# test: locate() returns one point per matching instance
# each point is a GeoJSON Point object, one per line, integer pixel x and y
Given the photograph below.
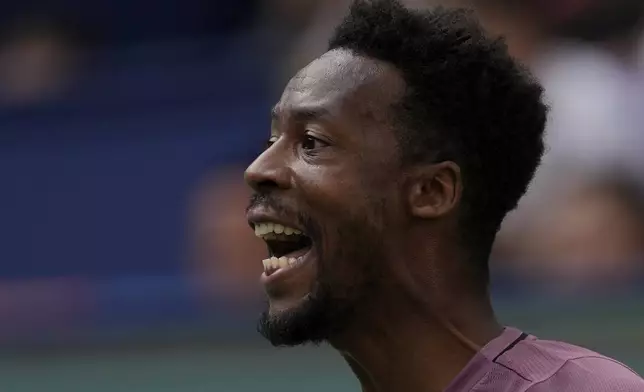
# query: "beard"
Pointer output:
{"type": "Point", "coordinates": [313, 321]}
{"type": "Point", "coordinates": [347, 279]}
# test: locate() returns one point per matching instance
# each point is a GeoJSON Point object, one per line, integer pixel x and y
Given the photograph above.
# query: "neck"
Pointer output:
{"type": "Point", "coordinates": [399, 348]}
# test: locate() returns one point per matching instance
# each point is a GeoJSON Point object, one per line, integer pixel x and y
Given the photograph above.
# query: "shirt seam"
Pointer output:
{"type": "Point", "coordinates": [512, 345]}
{"type": "Point", "coordinates": [554, 373]}
{"type": "Point", "coordinates": [506, 350]}
{"type": "Point", "coordinates": [514, 371]}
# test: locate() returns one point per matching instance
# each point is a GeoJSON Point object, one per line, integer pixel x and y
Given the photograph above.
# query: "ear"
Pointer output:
{"type": "Point", "coordinates": [435, 190]}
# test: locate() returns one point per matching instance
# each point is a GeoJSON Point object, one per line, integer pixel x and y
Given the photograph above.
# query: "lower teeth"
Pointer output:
{"type": "Point", "coordinates": [281, 262]}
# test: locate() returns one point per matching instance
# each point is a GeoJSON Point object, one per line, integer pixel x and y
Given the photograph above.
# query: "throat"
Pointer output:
{"type": "Point", "coordinates": [399, 350]}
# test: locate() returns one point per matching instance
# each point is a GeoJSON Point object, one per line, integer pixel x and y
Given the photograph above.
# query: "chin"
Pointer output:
{"type": "Point", "coordinates": [279, 307]}
{"type": "Point", "coordinates": [309, 320]}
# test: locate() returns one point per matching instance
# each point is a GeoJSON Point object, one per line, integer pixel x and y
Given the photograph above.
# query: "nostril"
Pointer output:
{"type": "Point", "coordinates": [259, 181]}
{"type": "Point", "coordinates": [267, 182]}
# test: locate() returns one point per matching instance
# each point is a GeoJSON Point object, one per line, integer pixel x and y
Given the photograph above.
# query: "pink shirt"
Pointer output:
{"type": "Point", "coordinates": [517, 362]}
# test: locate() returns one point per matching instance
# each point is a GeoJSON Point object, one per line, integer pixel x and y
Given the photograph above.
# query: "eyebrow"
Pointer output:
{"type": "Point", "coordinates": [302, 113]}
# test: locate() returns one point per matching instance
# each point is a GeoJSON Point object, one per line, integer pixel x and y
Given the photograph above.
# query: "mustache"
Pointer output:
{"type": "Point", "coordinates": [265, 200]}
{"type": "Point", "coordinates": [269, 201]}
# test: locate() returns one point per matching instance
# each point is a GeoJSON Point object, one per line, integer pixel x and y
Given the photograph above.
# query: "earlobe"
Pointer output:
{"type": "Point", "coordinates": [435, 190]}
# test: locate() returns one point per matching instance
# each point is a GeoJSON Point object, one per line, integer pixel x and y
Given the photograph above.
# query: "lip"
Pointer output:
{"type": "Point", "coordinates": [263, 215]}
{"type": "Point", "coordinates": [277, 282]}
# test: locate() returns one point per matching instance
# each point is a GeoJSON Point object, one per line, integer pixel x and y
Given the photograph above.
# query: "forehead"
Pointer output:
{"type": "Point", "coordinates": [344, 86]}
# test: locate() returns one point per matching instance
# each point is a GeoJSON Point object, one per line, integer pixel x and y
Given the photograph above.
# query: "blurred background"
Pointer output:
{"type": "Point", "coordinates": [125, 260]}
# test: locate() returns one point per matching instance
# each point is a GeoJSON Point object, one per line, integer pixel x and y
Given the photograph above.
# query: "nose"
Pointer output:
{"type": "Point", "coordinates": [269, 171]}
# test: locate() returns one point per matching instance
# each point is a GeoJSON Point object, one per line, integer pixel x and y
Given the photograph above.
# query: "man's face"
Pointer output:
{"type": "Point", "coordinates": [326, 196]}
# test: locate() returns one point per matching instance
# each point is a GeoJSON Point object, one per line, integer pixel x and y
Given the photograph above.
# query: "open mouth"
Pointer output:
{"type": "Point", "coordinates": [287, 246]}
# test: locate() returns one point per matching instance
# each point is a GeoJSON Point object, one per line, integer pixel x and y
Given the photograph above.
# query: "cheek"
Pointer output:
{"type": "Point", "coordinates": [346, 200]}
{"type": "Point", "coordinates": [329, 192]}
{"type": "Point", "coordinates": [344, 188]}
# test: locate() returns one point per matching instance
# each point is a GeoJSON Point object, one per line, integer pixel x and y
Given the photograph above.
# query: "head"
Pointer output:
{"type": "Point", "coordinates": [413, 133]}
{"type": "Point", "coordinates": [37, 60]}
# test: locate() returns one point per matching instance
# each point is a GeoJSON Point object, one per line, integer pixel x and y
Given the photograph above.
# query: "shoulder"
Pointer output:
{"type": "Point", "coordinates": [563, 367]}
{"type": "Point", "coordinates": [590, 373]}
{"type": "Point", "coordinates": [528, 364]}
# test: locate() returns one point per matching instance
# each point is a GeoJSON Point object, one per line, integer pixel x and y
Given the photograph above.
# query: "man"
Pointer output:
{"type": "Point", "coordinates": [391, 163]}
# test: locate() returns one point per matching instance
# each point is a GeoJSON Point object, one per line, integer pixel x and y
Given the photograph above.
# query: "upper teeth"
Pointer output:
{"type": "Point", "coordinates": [261, 229]}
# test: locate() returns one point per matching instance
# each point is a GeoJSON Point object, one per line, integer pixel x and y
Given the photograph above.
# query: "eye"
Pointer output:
{"type": "Point", "coordinates": [312, 143]}
{"type": "Point", "coordinates": [271, 141]}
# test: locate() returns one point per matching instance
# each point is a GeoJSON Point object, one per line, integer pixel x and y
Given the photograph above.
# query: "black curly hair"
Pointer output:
{"type": "Point", "coordinates": [467, 100]}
